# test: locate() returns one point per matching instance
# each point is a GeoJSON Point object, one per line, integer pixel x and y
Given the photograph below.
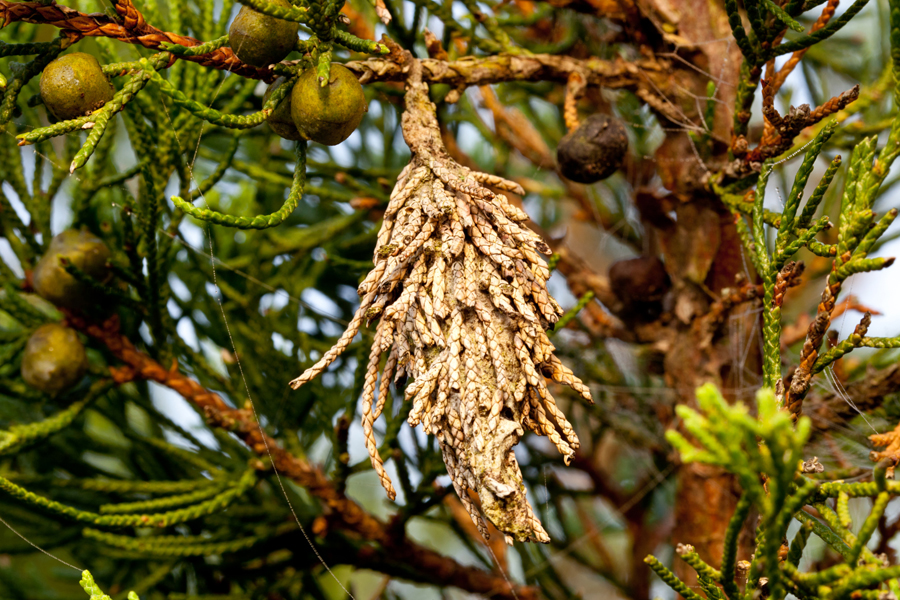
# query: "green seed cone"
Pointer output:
{"type": "Point", "coordinates": [80, 248]}
{"type": "Point", "coordinates": [329, 114]}
{"type": "Point", "coordinates": [280, 120]}
{"type": "Point", "coordinates": [54, 359]}
{"type": "Point", "coordinates": [261, 40]}
{"type": "Point", "coordinates": [74, 85]}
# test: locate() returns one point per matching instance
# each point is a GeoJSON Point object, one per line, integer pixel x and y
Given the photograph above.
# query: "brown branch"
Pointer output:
{"type": "Point", "coordinates": [800, 381]}
{"type": "Point", "coordinates": [438, 569]}
{"type": "Point", "coordinates": [130, 28]}
{"type": "Point", "coordinates": [488, 70]}
{"type": "Point", "coordinates": [646, 77]}
{"type": "Point", "coordinates": [644, 74]}
{"type": "Point", "coordinates": [783, 130]}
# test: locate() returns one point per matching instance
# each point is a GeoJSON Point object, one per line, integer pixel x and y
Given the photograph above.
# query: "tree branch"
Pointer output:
{"type": "Point", "coordinates": [647, 76]}
{"type": "Point", "coordinates": [488, 70]}
{"type": "Point", "coordinates": [131, 28]}
{"type": "Point", "coordinates": [433, 567]}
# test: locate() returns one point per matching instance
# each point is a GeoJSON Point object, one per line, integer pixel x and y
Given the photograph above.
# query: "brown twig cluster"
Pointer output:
{"type": "Point", "coordinates": [344, 512]}
{"type": "Point", "coordinates": [459, 291]}
{"type": "Point", "coordinates": [800, 380]}
{"type": "Point", "coordinates": [772, 83]}
{"type": "Point", "coordinates": [779, 132]}
{"type": "Point", "coordinates": [783, 129]}
{"type": "Point", "coordinates": [788, 277]}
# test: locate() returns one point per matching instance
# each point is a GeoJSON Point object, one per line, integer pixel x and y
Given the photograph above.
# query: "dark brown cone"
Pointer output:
{"type": "Point", "coordinates": [594, 150]}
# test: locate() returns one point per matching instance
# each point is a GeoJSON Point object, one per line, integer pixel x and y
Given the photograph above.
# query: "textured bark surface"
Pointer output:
{"type": "Point", "coordinates": [706, 496]}
{"type": "Point", "coordinates": [703, 255]}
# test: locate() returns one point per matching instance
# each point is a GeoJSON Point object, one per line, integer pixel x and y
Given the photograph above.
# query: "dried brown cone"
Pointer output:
{"type": "Point", "coordinates": [459, 292]}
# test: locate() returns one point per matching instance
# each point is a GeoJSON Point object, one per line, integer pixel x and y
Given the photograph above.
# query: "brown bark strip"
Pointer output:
{"type": "Point", "coordinates": [487, 70]}
{"type": "Point", "coordinates": [441, 570]}
{"type": "Point", "coordinates": [132, 28]}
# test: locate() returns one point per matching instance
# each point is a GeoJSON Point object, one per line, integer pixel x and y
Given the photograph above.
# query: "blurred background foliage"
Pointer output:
{"type": "Point", "coordinates": [194, 293]}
